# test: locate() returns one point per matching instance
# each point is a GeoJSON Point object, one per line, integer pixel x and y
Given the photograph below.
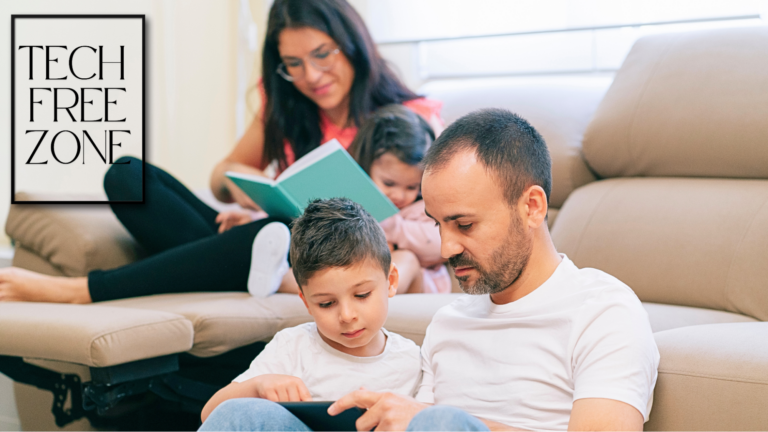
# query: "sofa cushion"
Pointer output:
{"type": "Point", "coordinates": [26, 259]}
{"type": "Point", "coordinates": [73, 238]}
{"type": "Point", "coordinates": [712, 377]}
{"type": "Point", "coordinates": [690, 242]}
{"type": "Point", "coordinates": [558, 107]}
{"type": "Point", "coordinates": [686, 104]}
{"type": "Point", "coordinates": [226, 320]}
{"type": "Point", "coordinates": [410, 314]}
{"type": "Point", "coordinates": [91, 335]}
{"type": "Point", "coordinates": [667, 317]}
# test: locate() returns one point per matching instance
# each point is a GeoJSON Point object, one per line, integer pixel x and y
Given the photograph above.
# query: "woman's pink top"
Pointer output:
{"type": "Point", "coordinates": [411, 229]}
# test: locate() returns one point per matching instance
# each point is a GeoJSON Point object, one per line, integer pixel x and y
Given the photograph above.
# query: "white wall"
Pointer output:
{"type": "Point", "coordinates": [191, 78]}
{"type": "Point", "coordinates": [550, 36]}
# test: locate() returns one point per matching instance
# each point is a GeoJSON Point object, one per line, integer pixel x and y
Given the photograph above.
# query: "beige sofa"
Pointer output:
{"type": "Point", "coordinates": [662, 181]}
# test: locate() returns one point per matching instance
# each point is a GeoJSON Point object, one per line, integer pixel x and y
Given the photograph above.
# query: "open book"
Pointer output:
{"type": "Point", "coordinates": [326, 172]}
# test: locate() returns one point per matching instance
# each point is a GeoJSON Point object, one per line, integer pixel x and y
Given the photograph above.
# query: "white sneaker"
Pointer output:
{"type": "Point", "coordinates": [269, 259]}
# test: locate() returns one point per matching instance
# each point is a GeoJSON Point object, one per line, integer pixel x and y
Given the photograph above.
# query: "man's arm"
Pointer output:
{"type": "Point", "coordinates": [595, 414]}
{"type": "Point", "coordinates": [390, 412]}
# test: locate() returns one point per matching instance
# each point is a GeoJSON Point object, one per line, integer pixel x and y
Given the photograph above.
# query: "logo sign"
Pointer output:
{"type": "Point", "coordinates": [77, 107]}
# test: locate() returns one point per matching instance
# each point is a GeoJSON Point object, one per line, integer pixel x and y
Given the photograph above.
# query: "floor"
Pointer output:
{"type": "Point", "coordinates": [9, 421]}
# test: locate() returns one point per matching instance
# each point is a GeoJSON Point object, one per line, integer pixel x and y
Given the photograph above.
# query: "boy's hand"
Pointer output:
{"type": "Point", "coordinates": [281, 388]}
{"type": "Point", "coordinates": [232, 218]}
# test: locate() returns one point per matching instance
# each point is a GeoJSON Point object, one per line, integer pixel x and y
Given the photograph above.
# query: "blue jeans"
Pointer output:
{"type": "Point", "coordinates": [252, 414]}
{"type": "Point", "coordinates": [445, 418]}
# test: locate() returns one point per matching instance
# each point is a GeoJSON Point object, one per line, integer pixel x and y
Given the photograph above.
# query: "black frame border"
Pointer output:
{"type": "Point", "coordinates": [143, 103]}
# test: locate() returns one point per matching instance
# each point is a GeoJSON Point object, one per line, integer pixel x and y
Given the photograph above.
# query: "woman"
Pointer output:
{"type": "Point", "coordinates": [322, 76]}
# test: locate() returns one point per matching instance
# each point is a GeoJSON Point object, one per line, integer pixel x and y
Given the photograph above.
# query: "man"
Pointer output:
{"type": "Point", "coordinates": [540, 344]}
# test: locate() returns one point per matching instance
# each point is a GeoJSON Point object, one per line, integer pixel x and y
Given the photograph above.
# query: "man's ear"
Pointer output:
{"type": "Point", "coordinates": [534, 201]}
{"type": "Point", "coordinates": [394, 279]}
{"type": "Point", "coordinates": [301, 295]}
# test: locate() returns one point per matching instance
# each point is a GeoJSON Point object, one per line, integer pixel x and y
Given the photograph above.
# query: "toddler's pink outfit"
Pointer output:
{"type": "Point", "coordinates": [413, 230]}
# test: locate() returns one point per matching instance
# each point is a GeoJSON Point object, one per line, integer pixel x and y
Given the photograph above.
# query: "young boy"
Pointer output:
{"type": "Point", "coordinates": [342, 263]}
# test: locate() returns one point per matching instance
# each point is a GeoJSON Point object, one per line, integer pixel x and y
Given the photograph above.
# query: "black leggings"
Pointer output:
{"type": "Point", "coordinates": [178, 230]}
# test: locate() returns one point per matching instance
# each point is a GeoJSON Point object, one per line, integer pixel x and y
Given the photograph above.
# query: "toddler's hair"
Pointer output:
{"type": "Point", "coordinates": [392, 129]}
{"type": "Point", "coordinates": [336, 232]}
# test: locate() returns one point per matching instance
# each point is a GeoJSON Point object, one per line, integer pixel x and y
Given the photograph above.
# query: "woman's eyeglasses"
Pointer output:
{"type": "Point", "coordinates": [294, 69]}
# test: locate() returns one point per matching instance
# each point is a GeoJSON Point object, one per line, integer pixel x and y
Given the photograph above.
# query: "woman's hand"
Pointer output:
{"type": "Point", "coordinates": [233, 218]}
{"type": "Point", "coordinates": [240, 197]}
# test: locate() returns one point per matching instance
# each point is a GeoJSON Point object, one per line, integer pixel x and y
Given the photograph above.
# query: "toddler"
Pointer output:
{"type": "Point", "coordinates": [390, 147]}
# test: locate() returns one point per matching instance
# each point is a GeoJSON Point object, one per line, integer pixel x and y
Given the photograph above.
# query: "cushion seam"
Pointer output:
{"type": "Point", "coordinates": [717, 377]}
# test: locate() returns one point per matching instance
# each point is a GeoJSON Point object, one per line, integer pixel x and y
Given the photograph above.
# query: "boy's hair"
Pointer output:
{"type": "Point", "coordinates": [336, 232]}
{"type": "Point", "coordinates": [392, 129]}
{"type": "Point", "coordinates": [504, 143]}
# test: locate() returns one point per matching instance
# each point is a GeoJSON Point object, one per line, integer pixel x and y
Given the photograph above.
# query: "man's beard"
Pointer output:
{"type": "Point", "coordinates": [507, 263]}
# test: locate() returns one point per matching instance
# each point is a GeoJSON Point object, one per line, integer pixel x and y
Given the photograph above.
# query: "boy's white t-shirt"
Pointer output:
{"type": "Point", "coordinates": [581, 334]}
{"type": "Point", "coordinates": [330, 374]}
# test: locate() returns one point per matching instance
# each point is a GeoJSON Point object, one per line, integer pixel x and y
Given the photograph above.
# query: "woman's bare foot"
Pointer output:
{"type": "Point", "coordinates": [17, 284]}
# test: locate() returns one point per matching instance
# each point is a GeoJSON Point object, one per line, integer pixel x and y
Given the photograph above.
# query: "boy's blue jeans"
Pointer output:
{"type": "Point", "coordinates": [251, 414]}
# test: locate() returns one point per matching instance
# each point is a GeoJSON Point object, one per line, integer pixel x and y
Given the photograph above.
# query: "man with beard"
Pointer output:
{"type": "Point", "coordinates": [539, 344]}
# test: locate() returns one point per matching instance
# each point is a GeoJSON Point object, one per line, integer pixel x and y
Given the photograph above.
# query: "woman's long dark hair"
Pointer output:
{"type": "Point", "coordinates": [392, 129]}
{"type": "Point", "coordinates": [291, 116]}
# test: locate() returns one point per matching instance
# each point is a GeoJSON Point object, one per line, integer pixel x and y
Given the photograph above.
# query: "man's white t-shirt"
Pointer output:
{"type": "Point", "coordinates": [581, 334]}
{"type": "Point", "coordinates": [329, 373]}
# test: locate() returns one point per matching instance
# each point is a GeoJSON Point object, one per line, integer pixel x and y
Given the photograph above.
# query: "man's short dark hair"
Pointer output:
{"type": "Point", "coordinates": [504, 142]}
{"type": "Point", "coordinates": [336, 232]}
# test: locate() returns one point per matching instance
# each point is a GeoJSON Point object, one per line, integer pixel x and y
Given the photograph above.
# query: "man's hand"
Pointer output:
{"type": "Point", "coordinates": [232, 218]}
{"type": "Point", "coordinates": [386, 411]}
{"type": "Point", "coordinates": [281, 388]}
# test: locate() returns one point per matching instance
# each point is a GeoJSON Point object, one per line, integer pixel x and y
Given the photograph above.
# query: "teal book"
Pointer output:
{"type": "Point", "coordinates": [326, 172]}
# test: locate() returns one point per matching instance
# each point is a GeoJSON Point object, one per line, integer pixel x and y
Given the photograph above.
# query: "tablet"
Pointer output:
{"type": "Point", "coordinates": [315, 416]}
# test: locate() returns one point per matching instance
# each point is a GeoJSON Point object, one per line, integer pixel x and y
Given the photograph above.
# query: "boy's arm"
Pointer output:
{"type": "Point", "coordinates": [232, 391]}
{"type": "Point", "coordinates": [274, 387]}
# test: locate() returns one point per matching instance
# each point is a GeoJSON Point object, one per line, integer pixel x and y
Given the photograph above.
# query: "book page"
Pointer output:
{"type": "Point", "coordinates": [310, 158]}
{"type": "Point", "coordinates": [250, 177]}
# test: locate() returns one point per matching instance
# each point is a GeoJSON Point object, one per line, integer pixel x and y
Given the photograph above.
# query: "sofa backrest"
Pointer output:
{"type": "Point", "coordinates": [559, 107]}
{"type": "Point", "coordinates": [681, 138]}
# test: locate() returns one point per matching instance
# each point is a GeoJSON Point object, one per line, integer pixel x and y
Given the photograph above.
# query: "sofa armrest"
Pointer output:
{"type": "Point", "coordinates": [90, 335]}
{"type": "Point", "coordinates": [712, 377]}
{"type": "Point", "coordinates": [73, 238]}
